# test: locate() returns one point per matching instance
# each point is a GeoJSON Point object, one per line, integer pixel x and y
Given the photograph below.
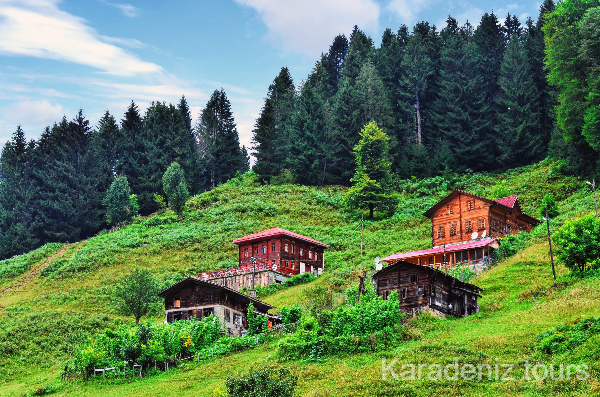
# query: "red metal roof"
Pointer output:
{"type": "Point", "coordinates": [438, 250]}
{"type": "Point", "coordinates": [507, 201]}
{"type": "Point", "coordinates": [276, 232]}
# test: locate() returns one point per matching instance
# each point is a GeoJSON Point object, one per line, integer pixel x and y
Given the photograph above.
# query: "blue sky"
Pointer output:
{"type": "Point", "coordinates": [59, 56]}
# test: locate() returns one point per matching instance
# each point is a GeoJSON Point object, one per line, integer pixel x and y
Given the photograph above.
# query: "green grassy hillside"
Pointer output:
{"type": "Point", "coordinates": [56, 296]}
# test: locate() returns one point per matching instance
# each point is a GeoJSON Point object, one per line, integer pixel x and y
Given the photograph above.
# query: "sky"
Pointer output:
{"type": "Point", "coordinates": [57, 57]}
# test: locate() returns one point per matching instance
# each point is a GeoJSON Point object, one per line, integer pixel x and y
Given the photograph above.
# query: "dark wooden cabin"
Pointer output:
{"type": "Point", "coordinates": [193, 297]}
{"type": "Point", "coordinates": [424, 287]}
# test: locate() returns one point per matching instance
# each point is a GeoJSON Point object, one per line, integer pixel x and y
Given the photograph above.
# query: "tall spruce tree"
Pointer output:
{"type": "Point", "coordinates": [131, 149]}
{"type": "Point", "coordinates": [334, 63]}
{"type": "Point", "coordinates": [355, 105]}
{"type": "Point", "coordinates": [219, 144]}
{"type": "Point", "coordinates": [516, 103]}
{"type": "Point", "coordinates": [17, 191]}
{"type": "Point", "coordinates": [271, 135]}
{"type": "Point", "coordinates": [313, 152]}
{"type": "Point", "coordinates": [458, 112]}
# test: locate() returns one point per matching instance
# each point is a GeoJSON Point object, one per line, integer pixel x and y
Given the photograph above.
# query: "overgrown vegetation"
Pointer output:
{"type": "Point", "coordinates": [568, 336]}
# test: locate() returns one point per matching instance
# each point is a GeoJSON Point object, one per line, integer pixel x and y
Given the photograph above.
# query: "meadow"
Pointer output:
{"type": "Point", "coordinates": [54, 298]}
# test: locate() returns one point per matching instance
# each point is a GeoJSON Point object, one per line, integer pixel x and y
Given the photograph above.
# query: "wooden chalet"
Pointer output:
{"type": "Point", "coordinates": [427, 288]}
{"type": "Point", "coordinates": [271, 256]}
{"type": "Point", "coordinates": [193, 297]}
{"type": "Point", "coordinates": [465, 229]}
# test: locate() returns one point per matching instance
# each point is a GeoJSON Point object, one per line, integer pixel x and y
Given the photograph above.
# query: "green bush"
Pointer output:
{"type": "Point", "coordinates": [578, 243]}
{"type": "Point", "coordinates": [567, 337]}
{"type": "Point", "coordinates": [372, 325]}
{"type": "Point", "coordinates": [263, 382]}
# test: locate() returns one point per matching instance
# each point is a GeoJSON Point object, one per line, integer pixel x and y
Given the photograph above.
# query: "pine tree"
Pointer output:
{"type": "Point", "coordinates": [359, 50]}
{"type": "Point", "coordinates": [516, 102]}
{"type": "Point", "coordinates": [17, 191]}
{"type": "Point", "coordinates": [355, 105]}
{"type": "Point", "coordinates": [271, 135]}
{"type": "Point", "coordinates": [334, 63]}
{"type": "Point", "coordinates": [220, 154]}
{"type": "Point", "coordinates": [458, 112]}
{"type": "Point", "coordinates": [372, 181]}
{"type": "Point", "coordinates": [313, 153]}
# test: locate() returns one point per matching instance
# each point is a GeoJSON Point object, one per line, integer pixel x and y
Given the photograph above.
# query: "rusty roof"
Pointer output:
{"type": "Point", "coordinates": [276, 232]}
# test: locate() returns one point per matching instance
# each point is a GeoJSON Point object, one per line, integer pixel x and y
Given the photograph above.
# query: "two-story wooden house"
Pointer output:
{"type": "Point", "coordinates": [271, 256]}
{"type": "Point", "coordinates": [465, 229]}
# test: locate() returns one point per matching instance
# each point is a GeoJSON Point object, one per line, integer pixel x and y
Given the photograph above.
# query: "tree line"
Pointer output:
{"type": "Point", "coordinates": [55, 188]}
{"type": "Point", "coordinates": [454, 100]}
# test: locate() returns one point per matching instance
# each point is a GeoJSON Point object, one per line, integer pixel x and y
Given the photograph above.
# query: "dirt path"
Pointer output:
{"type": "Point", "coordinates": [34, 271]}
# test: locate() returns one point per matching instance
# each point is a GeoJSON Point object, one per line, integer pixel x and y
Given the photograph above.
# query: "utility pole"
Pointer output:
{"type": "Point", "coordinates": [550, 244]}
{"type": "Point", "coordinates": [593, 185]}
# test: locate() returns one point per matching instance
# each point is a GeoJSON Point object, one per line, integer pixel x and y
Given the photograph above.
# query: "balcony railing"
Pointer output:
{"type": "Point", "coordinates": [245, 269]}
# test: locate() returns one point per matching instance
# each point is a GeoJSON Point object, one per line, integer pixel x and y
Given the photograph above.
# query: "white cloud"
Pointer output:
{"type": "Point", "coordinates": [471, 14]}
{"type": "Point", "coordinates": [38, 28]}
{"type": "Point", "coordinates": [34, 113]}
{"type": "Point", "coordinates": [127, 9]}
{"type": "Point", "coordinates": [407, 10]}
{"type": "Point", "coordinates": [309, 26]}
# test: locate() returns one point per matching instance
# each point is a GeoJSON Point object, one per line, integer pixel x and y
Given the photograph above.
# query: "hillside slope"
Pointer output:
{"type": "Point", "coordinates": [55, 297]}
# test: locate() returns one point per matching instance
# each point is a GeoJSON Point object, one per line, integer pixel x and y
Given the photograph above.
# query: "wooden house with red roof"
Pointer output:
{"type": "Point", "coordinates": [465, 228]}
{"type": "Point", "coordinates": [271, 256]}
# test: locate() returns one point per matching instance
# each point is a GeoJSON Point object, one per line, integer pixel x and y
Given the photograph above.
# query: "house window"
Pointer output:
{"type": "Point", "coordinates": [177, 302]}
{"type": "Point", "coordinates": [441, 231]}
{"type": "Point", "coordinates": [468, 226]}
{"type": "Point", "coordinates": [227, 315]}
{"type": "Point", "coordinates": [470, 205]}
{"type": "Point", "coordinates": [237, 318]}
{"type": "Point", "coordinates": [286, 247]}
{"type": "Point", "coordinates": [301, 251]}
{"type": "Point", "coordinates": [508, 228]}
{"type": "Point", "coordinates": [293, 265]}
{"type": "Point", "coordinates": [453, 229]}
{"type": "Point", "coordinates": [287, 264]}
{"type": "Point", "coordinates": [420, 291]}
{"type": "Point", "coordinates": [309, 254]}
{"type": "Point", "coordinates": [245, 252]}
{"type": "Point", "coordinates": [402, 293]}
{"type": "Point", "coordinates": [272, 247]}
{"type": "Point", "coordinates": [431, 260]}
{"type": "Point", "coordinates": [480, 224]}
{"type": "Point", "coordinates": [293, 248]}
{"type": "Point", "coordinates": [449, 210]}
{"type": "Point", "coordinates": [413, 278]}
{"type": "Point", "coordinates": [208, 298]}
{"type": "Point", "coordinates": [256, 250]}
{"type": "Point", "coordinates": [264, 249]}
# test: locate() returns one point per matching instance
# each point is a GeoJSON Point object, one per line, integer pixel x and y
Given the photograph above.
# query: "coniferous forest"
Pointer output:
{"type": "Point", "coordinates": [460, 99]}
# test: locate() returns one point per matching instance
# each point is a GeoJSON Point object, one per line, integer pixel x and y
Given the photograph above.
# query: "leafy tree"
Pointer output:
{"type": "Point", "coordinates": [578, 243]}
{"type": "Point", "coordinates": [255, 323]}
{"type": "Point", "coordinates": [118, 202]}
{"type": "Point", "coordinates": [262, 382]}
{"type": "Point", "coordinates": [219, 144]}
{"type": "Point", "coordinates": [175, 188]}
{"type": "Point", "coordinates": [372, 187]}
{"type": "Point", "coordinates": [549, 204]}
{"type": "Point", "coordinates": [135, 293]}
{"type": "Point", "coordinates": [291, 315]}
{"type": "Point", "coordinates": [570, 32]}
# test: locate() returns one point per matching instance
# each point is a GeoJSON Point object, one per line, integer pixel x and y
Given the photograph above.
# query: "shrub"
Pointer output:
{"type": "Point", "coordinates": [578, 243]}
{"type": "Point", "coordinates": [263, 382]}
{"type": "Point", "coordinates": [567, 337]}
